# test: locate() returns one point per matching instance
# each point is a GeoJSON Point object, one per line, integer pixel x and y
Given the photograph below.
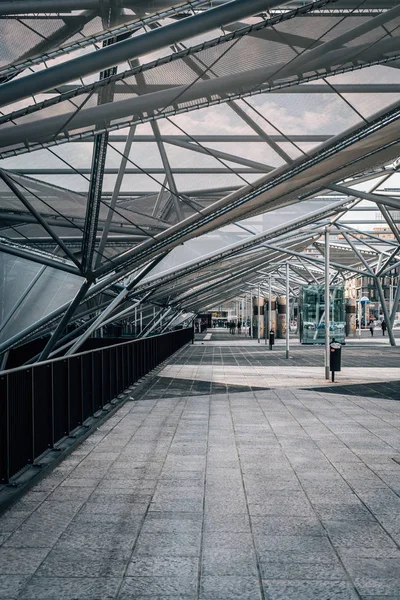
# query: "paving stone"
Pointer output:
{"type": "Point", "coordinates": [288, 570]}
{"type": "Point", "coordinates": [224, 539]}
{"type": "Point", "coordinates": [309, 590]}
{"type": "Point", "coordinates": [61, 588]}
{"type": "Point", "coordinates": [63, 562]}
{"type": "Point", "coordinates": [99, 539]}
{"type": "Point", "coordinates": [217, 522]}
{"type": "Point", "coordinates": [229, 588]}
{"type": "Point", "coordinates": [356, 533]}
{"type": "Point", "coordinates": [21, 561]}
{"type": "Point", "coordinates": [229, 561]}
{"type": "Point", "coordinates": [186, 544]}
{"type": "Point", "coordinates": [281, 526]}
{"type": "Point", "coordinates": [11, 585]}
{"type": "Point", "coordinates": [292, 543]}
{"type": "Point", "coordinates": [170, 565]}
{"type": "Point", "coordinates": [369, 586]}
{"type": "Point", "coordinates": [374, 568]}
{"type": "Point", "coordinates": [172, 522]}
{"type": "Point", "coordinates": [150, 587]}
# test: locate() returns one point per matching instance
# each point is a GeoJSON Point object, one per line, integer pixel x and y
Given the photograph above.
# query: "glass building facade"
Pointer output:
{"type": "Point", "coordinates": [312, 314]}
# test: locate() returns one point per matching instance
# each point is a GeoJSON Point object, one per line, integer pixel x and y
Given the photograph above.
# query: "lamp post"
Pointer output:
{"type": "Point", "coordinates": [258, 314]}
{"type": "Point", "coordinates": [327, 301]}
{"type": "Point", "coordinates": [287, 311]}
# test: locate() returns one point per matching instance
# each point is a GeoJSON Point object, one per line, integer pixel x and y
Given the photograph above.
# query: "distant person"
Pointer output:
{"type": "Point", "coordinates": [371, 327]}
{"type": "Point", "coordinates": [239, 327]}
{"type": "Point", "coordinates": [383, 327]}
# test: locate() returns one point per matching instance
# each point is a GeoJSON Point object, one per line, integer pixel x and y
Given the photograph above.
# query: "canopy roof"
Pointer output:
{"type": "Point", "coordinates": [189, 151]}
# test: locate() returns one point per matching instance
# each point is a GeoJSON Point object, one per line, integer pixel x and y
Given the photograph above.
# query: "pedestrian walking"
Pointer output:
{"type": "Point", "coordinates": [371, 327]}
{"type": "Point", "coordinates": [383, 327]}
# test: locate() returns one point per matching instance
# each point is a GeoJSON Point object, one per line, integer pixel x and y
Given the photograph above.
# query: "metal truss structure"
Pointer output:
{"type": "Point", "coordinates": [158, 159]}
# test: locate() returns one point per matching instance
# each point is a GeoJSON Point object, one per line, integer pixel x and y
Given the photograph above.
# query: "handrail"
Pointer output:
{"type": "Point", "coordinates": [44, 403]}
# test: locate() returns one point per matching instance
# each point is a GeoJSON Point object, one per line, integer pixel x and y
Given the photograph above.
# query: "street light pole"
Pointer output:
{"type": "Point", "coordinates": [270, 308]}
{"type": "Point", "coordinates": [287, 311]}
{"type": "Point", "coordinates": [327, 299]}
{"type": "Point", "coordinates": [258, 314]}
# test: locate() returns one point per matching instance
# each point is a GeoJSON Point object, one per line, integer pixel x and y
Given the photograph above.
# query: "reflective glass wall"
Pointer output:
{"type": "Point", "coordinates": [312, 314]}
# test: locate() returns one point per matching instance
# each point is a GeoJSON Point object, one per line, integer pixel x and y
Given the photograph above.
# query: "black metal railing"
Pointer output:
{"type": "Point", "coordinates": [43, 403]}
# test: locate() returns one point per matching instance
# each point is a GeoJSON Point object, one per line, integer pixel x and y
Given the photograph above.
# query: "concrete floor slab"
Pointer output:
{"type": "Point", "coordinates": [231, 476]}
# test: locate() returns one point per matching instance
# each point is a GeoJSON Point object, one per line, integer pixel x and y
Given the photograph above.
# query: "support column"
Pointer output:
{"type": "Point", "coordinates": [385, 312]}
{"type": "Point", "coordinates": [395, 302]}
{"type": "Point", "coordinates": [269, 307]}
{"type": "Point", "coordinates": [252, 316]}
{"type": "Point", "coordinates": [287, 311]}
{"type": "Point", "coordinates": [327, 304]}
{"type": "Point", "coordinates": [350, 315]}
{"type": "Point", "coordinates": [265, 321]}
{"type": "Point", "coordinates": [391, 295]}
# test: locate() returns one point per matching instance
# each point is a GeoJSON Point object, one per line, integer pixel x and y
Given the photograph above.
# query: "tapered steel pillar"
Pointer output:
{"type": "Point", "coordinates": [396, 301]}
{"type": "Point", "coordinates": [385, 312]}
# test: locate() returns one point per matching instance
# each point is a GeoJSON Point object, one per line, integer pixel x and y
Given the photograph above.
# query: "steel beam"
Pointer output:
{"type": "Point", "coordinates": [396, 301]}
{"type": "Point", "coordinates": [121, 296]}
{"type": "Point", "coordinates": [99, 155]}
{"type": "Point", "coordinates": [13, 187]}
{"type": "Point", "coordinates": [150, 170]}
{"type": "Point", "coordinates": [162, 314]}
{"type": "Point", "coordinates": [122, 29]}
{"type": "Point", "coordinates": [18, 7]}
{"type": "Point", "coordinates": [37, 256]}
{"type": "Point", "coordinates": [21, 299]}
{"type": "Point", "coordinates": [228, 87]}
{"type": "Point", "coordinates": [316, 88]}
{"type": "Point", "coordinates": [223, 138]}
{"type": "Point", "coordinates": [65, 320]}
{"type": "Point", "coordinates": [307, 58]}
{"type": "Point", "coordinates": [240, 160]}
{"type": "Point", "coordinates": [390, 221]}
{"type": "Point", "coordinates": [385, 311]}
{"type": "Point", "coordinates": [377, 198]}
{"type": "Point", "coordinates": [168, 172]}
{"type": "Point", "coordinates": [115, 195]}
{"type": "Point", "coordinates": [129, 49]}
{"type": "Point", "coordinates": [358, 254]}
{"type": "Point", "coordinates": [77, 223]}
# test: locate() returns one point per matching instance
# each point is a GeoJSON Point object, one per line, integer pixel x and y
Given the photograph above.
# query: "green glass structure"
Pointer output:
{"type": "Point", "coordinates": [312, 314]}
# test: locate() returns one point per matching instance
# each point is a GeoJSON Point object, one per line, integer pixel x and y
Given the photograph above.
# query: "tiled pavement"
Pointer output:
{"type": "Point", "coordinates": [271, 494]}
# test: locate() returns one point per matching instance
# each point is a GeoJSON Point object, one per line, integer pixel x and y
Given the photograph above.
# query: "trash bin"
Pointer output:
{"type": "Point", "coordinates": [335, 356]}
{"type": "Point", "coordinates": [271, 339]}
